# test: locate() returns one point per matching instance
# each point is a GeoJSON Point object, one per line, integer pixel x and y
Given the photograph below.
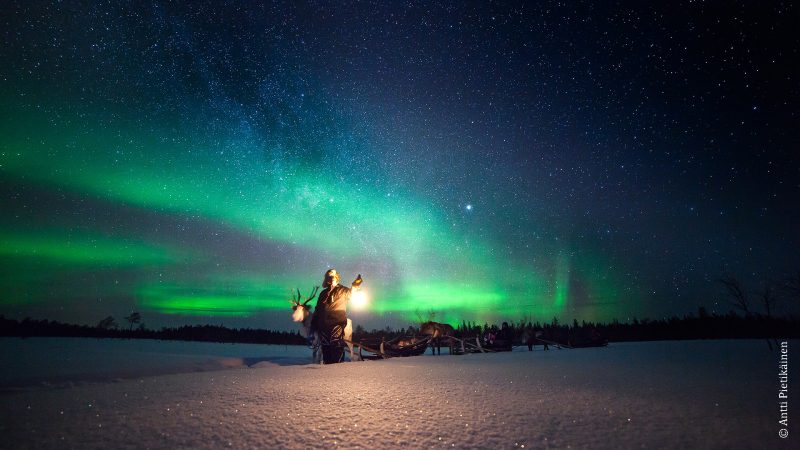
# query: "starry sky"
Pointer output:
{"type": "Point", "coordinates": [479, 161]}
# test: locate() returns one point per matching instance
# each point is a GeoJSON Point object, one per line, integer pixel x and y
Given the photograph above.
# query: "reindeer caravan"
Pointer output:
{"type": "Point", "coordinates": [328, 345]}
{"type": "Point", "coordinates": [329, 331]}
{"type": "Point", "coordinates": [359, 351]}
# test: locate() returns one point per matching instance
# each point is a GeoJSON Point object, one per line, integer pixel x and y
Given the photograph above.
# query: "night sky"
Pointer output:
{"type": "Point", "coordinates": [480, 161]}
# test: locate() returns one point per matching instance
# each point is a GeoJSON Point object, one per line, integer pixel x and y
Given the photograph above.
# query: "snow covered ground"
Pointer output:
{"type": "Point", "coordinates": [58, 362]}
{"type": "Point", "coordinates": [695, 394]}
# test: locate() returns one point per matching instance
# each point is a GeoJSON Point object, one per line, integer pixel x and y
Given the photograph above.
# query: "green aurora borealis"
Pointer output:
{"type": "Point", "coordinates": [415, 258]}
{"type": "Point", "coordinates": [196, 162]}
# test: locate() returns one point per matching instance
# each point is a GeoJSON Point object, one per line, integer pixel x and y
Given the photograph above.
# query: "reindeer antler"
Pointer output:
{"type": "Point", "coordinates": [299, 300]}
{"type": "Point", "coordinates": [313, 294]}
{"type": "Point", "coordinates": [293, 300]}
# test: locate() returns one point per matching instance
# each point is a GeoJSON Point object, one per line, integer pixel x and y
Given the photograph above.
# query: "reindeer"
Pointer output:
{"type": "Point", "coordinates": [532, 338]}
{"type": "Point", "coordinates": [302, 314]}
{"type": "Point", "coordinates": [437, 331]}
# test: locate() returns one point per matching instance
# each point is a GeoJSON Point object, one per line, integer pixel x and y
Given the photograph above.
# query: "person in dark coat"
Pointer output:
{"type": "Point", "coordinates": [330, 315]}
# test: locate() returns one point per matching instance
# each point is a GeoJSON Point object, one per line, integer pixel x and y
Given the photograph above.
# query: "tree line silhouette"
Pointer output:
{"type": "Point", "coordinates": [107, 328]}
{"type": "Point", "coordinates": [700, 326]}
{"type": "Point", "coordinates": [749, 324]}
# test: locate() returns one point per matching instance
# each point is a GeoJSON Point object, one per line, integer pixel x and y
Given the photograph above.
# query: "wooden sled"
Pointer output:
{"type": "Point", "coordinates": [553, 343]}
{"type": "Point", "coordinates": [584, 344]}
{"type": "Point", "coordinates": [396, 348]}
{"type": "Point", "coordinates": [470, 345]}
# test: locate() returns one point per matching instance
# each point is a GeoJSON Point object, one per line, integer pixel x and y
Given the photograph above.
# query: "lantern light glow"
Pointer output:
{"type": "Point", "coordinates": [359, 300]}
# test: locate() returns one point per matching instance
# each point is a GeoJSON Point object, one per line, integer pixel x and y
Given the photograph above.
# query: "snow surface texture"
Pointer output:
{"type": "Point", "coordinates": [692, 394]}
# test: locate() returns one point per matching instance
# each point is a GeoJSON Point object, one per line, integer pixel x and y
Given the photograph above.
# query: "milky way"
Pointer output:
{"type": "Point", "coordinates": [197, 161]}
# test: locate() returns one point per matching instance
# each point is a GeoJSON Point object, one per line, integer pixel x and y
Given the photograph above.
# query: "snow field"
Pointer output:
{"type": "Point", "coordinates": [695, 394]}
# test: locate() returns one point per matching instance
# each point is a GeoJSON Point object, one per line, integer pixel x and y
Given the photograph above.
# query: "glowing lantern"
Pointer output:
{"type": "Point", "coordinates": [359, 299]}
